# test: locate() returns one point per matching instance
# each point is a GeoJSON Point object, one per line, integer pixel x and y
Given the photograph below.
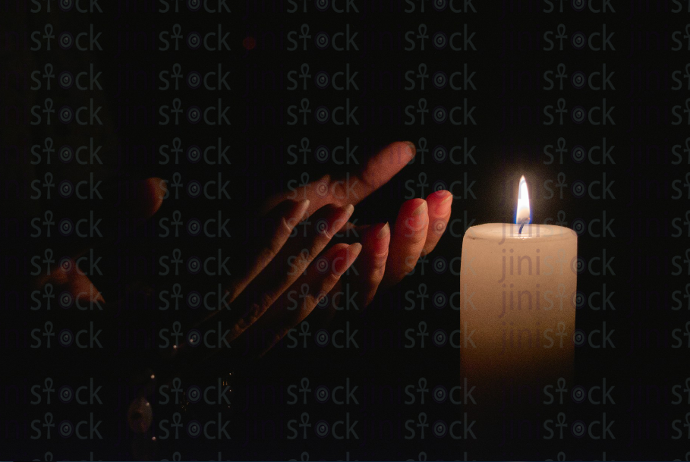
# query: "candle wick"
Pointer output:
{"type": "Point", "coordinates": [521, 226]}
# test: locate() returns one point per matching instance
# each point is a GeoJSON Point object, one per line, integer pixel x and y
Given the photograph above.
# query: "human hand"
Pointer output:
{"type": "Point", "coordinates": [288, 268]}
{"type": "Point", "coordinates": [301, 266]}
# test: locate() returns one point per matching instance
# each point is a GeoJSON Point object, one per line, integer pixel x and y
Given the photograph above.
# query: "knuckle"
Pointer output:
{"type": "Point", "coordinates": [377, 274]}
{"type": "Point", "coordinates": [272, 249]}
{"type": "Point", "coordinates": [310, 253]}
{"type": "Point", "coordinates": [408, 265]}
{"type": "Point", "coordinates": [330, 280]}
{"type": "Point", "coordinates": [379, 263]}
{"type": "Point", "coordinates": [415, 237]}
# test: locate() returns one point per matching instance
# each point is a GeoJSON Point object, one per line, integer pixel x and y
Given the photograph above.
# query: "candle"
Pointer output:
{"type": "Point", "coordinates": [517, 312]}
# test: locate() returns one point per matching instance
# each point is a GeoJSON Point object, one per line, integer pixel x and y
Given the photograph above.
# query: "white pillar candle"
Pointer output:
{"type": "Point", "coordinates": [517, 287]}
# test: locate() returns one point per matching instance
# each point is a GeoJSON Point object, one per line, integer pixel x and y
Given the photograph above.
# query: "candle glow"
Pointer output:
{"type": "Point", "coordinates": [518, 292]}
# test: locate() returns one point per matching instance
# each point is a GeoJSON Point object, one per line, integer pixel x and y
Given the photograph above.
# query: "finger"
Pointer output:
{"type": "Point", "coordinates": [407, 241]}
{"type": "Point", "coordinates": [144, 198]}
{"type": "Point", "coordinates": [290, 262]}
{"type": "Point", "coordinates": [371, 265]}
{"type": "Point", "coordinates": [352, 189]}
{"type": "Point", "coordinates": [358, 290]}
{"type": "Point", "coordinates": [282, 221]}
{"type": "Point", "coordinates": [378, 171]}
{"type": "Point", "coordinates": [439, 213]}
{"type": "Point", "coordinates": [279, 264]}
{"type": "Point", "coordinates": [70, 286]}
{"type": "Point", "coordinates": [302, 297]}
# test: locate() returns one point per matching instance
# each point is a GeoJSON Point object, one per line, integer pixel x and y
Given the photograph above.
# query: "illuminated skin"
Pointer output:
{"type": "Point", "coordinates": [262, 293]}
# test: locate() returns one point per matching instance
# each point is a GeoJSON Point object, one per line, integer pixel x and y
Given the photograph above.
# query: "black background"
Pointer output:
{"type": "Point", "coordinates": [509, 61]}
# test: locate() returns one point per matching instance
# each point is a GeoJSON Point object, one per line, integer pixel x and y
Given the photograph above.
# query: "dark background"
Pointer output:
{"type": "Point", "coordinates": [511, 139]}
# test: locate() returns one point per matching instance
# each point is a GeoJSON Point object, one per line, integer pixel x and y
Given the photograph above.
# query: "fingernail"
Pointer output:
{"type": "Point", "coordinates": [421, 209]}
{"type": "Point", "coordinates": [442, 207]}
{"type": "Point", "coordinates": [302, 206]}
{"type": "Point", "coordinates": [295, 215]}
{"type": "Point", "coordinates": [379, 246]}
{"type": "Point", "coordinates": [345, 258]}
{"type": "Point", "coordinates": [443, 192]}
{"type": "Point", "coordinates": [384, 231]}
{"type": "Point", "coordinates": [413, 149]}
{"type": "Point", "coordinates": [98, 297]}
{"type": "Point", "coordinates": [340, 219]}
{"type": "Point", "coordinates": [353, 252]}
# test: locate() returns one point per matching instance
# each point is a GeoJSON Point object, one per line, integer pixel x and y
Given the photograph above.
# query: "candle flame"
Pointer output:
{"type": "Point", "coordinates": [523, 216]}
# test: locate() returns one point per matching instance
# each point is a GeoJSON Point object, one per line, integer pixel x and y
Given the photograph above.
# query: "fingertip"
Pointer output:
{"type": "Point", "coordinates": [441, 194]}
{"type": "Point", "coordinates": [412, 207]}
{"type": "Point", "coordinates": [440, 202]}
{"type": "Point", "coordinates": [413, 217]}
{"type": "Point", "coordinates": [296, 212]}
{"type": "Point", "coordinates": [338, 247]}
{"type": "Point", "coordinates": [378, 239]}
{"type": "Point", "coordinates": [97, 297]}
{"type": "Point", "coordinates": [392, 159]}
{"type": "Point", "coordinates": [154, 190]}
{"type": "Point", "coordinates": [353, 250]}
{"type": "Point", "coordinates": [420, 209]}
{"type": "Point", "coordinates": [345, 256]}
{"type": "Point", "coordinates": [382, 230]}
{"type": "Point", "coordinates": [411, 146]}
{"type": "Point", "coordinates": [338, 218]}
{"type": "Point", "coordinates": [404, 150]}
